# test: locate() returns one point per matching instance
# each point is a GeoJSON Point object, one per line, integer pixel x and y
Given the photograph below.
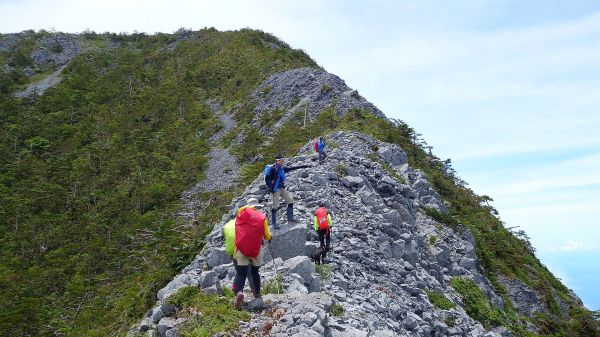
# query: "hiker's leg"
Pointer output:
{"type": "Point", "coordinates": [256, 278]}
{"type": "Point", "coordinates": [251, 280]}
{"type": "Point", "coordinates": [321, 233]}
{"type": "Point", "coordinates": [276, 196]}
{"type": "Point", "coordinates": [254, 266]}
{"type": "Point", "coordinates": [287, 196]}
{"type": "Point", "coordinates": [328, 241]}
{"type": "Point", "coordinates": [240, 278]}
{"type": "Point", "coordinates": [250, 283]}
{"type": "Point", "coordinates": [274, 218]}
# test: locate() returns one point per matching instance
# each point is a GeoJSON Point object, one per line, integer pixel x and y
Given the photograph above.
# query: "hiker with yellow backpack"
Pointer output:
{"type": "Point", "coordinates": [243, 240]}
{"type": "Point", "coordinates": [322, 223]}
{"type": "Point", "coordinates": [229, 233]}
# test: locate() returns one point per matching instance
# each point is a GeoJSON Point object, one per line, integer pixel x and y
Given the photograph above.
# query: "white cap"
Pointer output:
{"type": "Point", "coordinates": [253, 202]}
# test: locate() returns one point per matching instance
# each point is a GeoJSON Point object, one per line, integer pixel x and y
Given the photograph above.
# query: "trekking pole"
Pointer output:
{"type": "Point", "coordinates": [276, 269]}
{"type": "Point", "coordinates": [331, 240]}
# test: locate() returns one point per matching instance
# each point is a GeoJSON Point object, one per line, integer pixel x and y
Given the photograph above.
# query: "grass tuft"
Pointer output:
{"type": "Point", "coordinates": [440, 300]}
{"type": "Point", "coordinates": [216, 313]}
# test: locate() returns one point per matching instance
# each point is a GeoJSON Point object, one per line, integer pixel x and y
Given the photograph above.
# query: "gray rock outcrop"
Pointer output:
{"type": "Point", "coordinates": [307, 90]}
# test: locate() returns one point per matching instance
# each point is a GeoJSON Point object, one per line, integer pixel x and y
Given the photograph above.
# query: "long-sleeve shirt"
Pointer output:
{"type": "Point", "coordinates": [277, 174]}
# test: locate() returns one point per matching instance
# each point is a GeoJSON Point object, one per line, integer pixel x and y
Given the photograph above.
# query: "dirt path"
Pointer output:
{"type": "Point", "coordinates": [39, 87]}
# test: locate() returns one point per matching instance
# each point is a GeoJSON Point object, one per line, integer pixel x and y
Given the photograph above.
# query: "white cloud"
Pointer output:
{"type": "Point", "coordinates": [575, 246]}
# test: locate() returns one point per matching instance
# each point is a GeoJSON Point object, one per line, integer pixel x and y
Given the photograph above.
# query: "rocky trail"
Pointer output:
{"type": "Point", "coordinates": [384, 259]}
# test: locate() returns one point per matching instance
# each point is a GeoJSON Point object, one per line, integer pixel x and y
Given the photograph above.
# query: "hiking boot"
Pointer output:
{"type": "Point", "coordinates": [239, 300]}
{"type": "Point", "coordinates": [290, 213]}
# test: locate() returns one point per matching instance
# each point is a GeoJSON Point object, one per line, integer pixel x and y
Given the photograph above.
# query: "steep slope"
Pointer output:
{"type": "Point", "coordinates": [92, 170]}
{"type": "Point", "coordinates": [113, 177]}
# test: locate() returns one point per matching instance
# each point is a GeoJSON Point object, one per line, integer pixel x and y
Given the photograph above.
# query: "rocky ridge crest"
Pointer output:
{"type": "Point", "coordinates": [308, 91]}
{"type": "Point", "coordinates": [383, 262]}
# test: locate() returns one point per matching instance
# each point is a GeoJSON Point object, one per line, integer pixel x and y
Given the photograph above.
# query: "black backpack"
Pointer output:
{"type": "Point", "coordinates": [270, 171]}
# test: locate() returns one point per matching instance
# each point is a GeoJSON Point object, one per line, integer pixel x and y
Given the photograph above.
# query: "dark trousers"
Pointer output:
{"type": "Point", "coordinates": [249, 276]}
{"type": "Point", "coordinates": [325, 239]}
{"type": "Point", "coordinates": [241, 272]}
{"type": "Point", "coordinates": [322, 155]}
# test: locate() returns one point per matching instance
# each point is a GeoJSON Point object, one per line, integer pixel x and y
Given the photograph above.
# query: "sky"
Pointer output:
{"type": "Point", "coordinates": [509, 90]}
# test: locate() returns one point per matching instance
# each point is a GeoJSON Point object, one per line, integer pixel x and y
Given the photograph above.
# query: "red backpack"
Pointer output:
{"type": "Point", "coordinates": [249, 231]}
{"type": "Point", "coordinates": [321, 214]}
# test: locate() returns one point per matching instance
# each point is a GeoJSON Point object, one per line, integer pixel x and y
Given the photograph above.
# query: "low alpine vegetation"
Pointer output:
{"type": "Point", "coordinates": [207, 314]}
{"type": "Point", "coordinates": [476, 304]}
{"type": "Point", "coordinates": [337, 310]}
{"type": "Point", "coordinates": [440, 300]}
{"type": "Point", "coordinates": [273, 286]}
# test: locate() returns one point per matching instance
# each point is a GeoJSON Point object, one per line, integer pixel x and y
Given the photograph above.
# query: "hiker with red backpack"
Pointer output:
{"type": "Point", "coordinates": [229, 234]}
{"type": "Point", "coordinates": [251, 227]}
{"type": "Point", "coordinates": [275, 176]}
{"type": "Point", "coordinates": [322, 224]}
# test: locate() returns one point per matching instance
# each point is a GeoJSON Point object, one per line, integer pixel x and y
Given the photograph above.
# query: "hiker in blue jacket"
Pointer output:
{"type": "Point", "coordinates": [321, 149]}
{"type": "Point", "coordinates": [275, 180]}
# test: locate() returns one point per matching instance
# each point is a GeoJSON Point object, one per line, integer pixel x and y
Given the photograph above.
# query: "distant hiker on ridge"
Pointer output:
{"type": "Point", "coordinates": [251, 227]}
{"type": "Point", "coordinates": [320, 148]}
{"type": "Point", "coordinates": [275, 180]}
{"type": "Point", "coordinates": [322, 223]}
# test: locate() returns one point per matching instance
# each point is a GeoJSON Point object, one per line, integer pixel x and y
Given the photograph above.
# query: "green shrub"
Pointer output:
{"type": "Point", "coordinates": [267, 89]}
{"type": "Point", "coordinates": [56, 48]}
{"type": "Point", "coordinates": [228, 293]}
{"type": "Point", "coordinates": [438, 216]}
{"type": "Point", "coordinates": [326, 88]}
{"type": "Point", "coordinates": [337, 310]}
{"type": "Point", "coordinates": [324, 271]}
{"type": "Point", "coordinates": [432, 240]}
{"type": "Point", "coordinates": [440, 300]}
{"type": "Point", "coordinates": [341, 170]}
{"type": "Point", "coordinates": [475, 303]}
{"type": "Point", "coordinates": [273, 286]}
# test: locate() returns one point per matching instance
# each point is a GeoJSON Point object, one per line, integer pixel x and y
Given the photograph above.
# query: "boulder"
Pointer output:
{"type": "Point", "coordinates": [302, 266]}
{"type": "Point", "coordinates": [288, 242]}
{"type": "Point", "coordinates": [166, 324]}
{"type": "Point", "coordinates": [217, 257]}
{"type": "Point", "coordinates": [157, 315]}
{"type": "Point", "coordinates": [393, 155]}
{"type": "Point", "coordinates": [180, 281]}
{"type": "Point", "coordinates": [208, 279]}
{"type": "Point", "coordinates": [412, 321]}
{"type": "Point", "coordinates": [352, 182]}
